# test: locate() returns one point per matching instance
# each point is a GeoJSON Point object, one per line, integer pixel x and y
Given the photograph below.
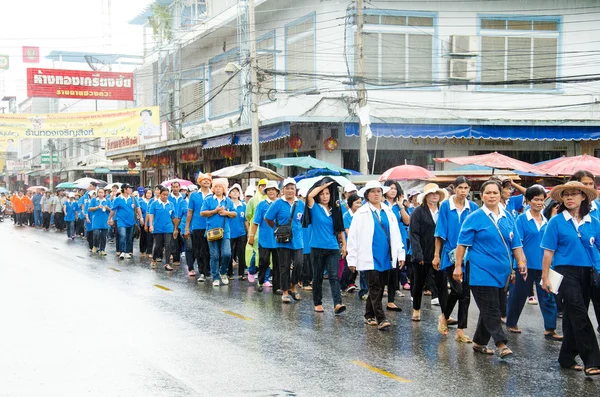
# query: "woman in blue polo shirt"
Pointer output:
{"type": "Point", "coordinates": [161, 215]}
{"type": "Point", "coordinates": [217, 209]}
{"type": "Point", "coordinates": [71, 211]}
{"type": "Point", "coordinates": [348, 277]}
{"type": "Point", "coordinates": [571, 244]}
{"type": "Point", "coordinates": [146, 239]}
{"type": "Point", "coordinates": [531, 226]}
{"type": "Point", "coordinates": [492, 238]}
{"type": "Point", "coordinates": [100, 207]}
{"type": "Point", "coordinates": [89, 221]}
{"type": "Point", "coordinates": [239, 234]}
{"type": "Point", "coordinates": [452, 215]}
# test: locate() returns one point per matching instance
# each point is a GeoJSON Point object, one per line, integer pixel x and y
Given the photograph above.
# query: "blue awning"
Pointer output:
{"type": "Point", "coordinates": [513, 132]}
{"type": "Point", "coordinates": [266, 134]}
{"type": "Point", "coordinates": [219, 141]}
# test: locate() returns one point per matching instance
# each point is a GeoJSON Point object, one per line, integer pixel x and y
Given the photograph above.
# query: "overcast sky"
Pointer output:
{"type": "Point", "coordinates": [63, 25]}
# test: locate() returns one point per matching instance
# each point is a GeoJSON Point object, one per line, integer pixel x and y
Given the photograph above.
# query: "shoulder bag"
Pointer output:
{"type": "Point", "coordinates": [283, 233]}
{"type": "Point", "coordinates": [512, 277]}
{"type": "Point", "coordinates": [595, 275]}
{"type": "Point", "coordinates": [217, 233]}
{"type": "Point", "coordinates": [387, 236]}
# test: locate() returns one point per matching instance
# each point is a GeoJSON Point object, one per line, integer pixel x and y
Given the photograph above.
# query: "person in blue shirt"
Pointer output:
{"type": "Point", "coordinates": [146, 238]}
{"type": "Point", "coordinates": [124, 210]}
{"type": "Point", "coordinates": [288, 210]}
{"type": "Point", "coordinates": [327, 246]}
{"type": "Point", "coordinates": [531, 226]}
{"type": "Point", "coordinates": [348, 279]}
{"type": "Point", "coordinates": [267, 246]}
{"type": "Point", "coordinates": [182, 212]}
{"type": "Point", "coordinates": [176, 197]}
{"type": "Point", "coordinates": [452, 215]}
{"type": "Point", "coordinates": [70, 210]}
{"type": "Point", "coordinates": [218, 209]}
{"type": "Point", "coordinates": [512, 204]}
{"type": "Point", "coordinates": [163, 226]}
{"type": "Point", "coordinates": [37, 207]}
{"type": "Point", "coordinates": [571, 244]}
{"type": "Point", "coordinates": [239, 234]}
{"type": "Point", "coordinates": [100, 208]}
{"type": "Point", "coordinates": [306, 279]}
{"type": "Point", "coordinates": [89, 220]}
{"type": "Point", "coordinates": [195, 226]}
{"type": "Point", "coordinates": [492, 238]}
{"type": "Point", "coordinates": [80, 219]}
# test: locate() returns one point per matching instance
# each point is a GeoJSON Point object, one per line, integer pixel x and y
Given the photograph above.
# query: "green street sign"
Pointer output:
{"type": "Point", "coordinates": [45, 159]}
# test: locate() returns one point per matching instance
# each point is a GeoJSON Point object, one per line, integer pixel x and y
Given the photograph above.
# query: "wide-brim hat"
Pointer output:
{"type": "Point", "coordinates": [372, 185]}
{"type": "Point", "coordinates": [351, 187]}
{"type": "Point", "coordinates": [432, 188]}
{"type": "Point", "coordinates": [557, 191]}
{"type": "Point", "coordinates": [272, 185]}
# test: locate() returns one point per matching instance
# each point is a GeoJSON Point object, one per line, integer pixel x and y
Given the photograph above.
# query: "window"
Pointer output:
{"type": "Point", "coordinates": [224, 88]}
{"type": "Point", "coordinates": [398, 49]}
{"type": "Point", "coordinates": [300, 53]}
{"type": "Point", "coordinates": [521, 53]}
{"type": "Point", "coordinates": [192, 96]}
{"type": "Point", "coordinates": [191, 12]}
{"type": "Point", "coordinates": [265, 57]}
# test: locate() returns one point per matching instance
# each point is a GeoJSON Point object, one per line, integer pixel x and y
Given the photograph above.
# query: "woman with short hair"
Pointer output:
{"type": "Point", "coordinates": [161, 218]}
{"type": "Point", "coordinates": [146, 238]}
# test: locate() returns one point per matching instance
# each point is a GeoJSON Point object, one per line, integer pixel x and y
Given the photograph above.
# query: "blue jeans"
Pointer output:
{"type": "Point", "coordinates": [70, 228]}
{"type": "Point", "coordinates": [252, 267]}
{"type": "Point", "coordinates": [330, 260]}
{"type": "Point", "coordinates": [126, 239]}
{"type": "Point", "coordinates": [364, 287]}
{"type": "Point", "coordinates": [220, 255]}
{"type": "Point", "coordinates": [100, 239]}
{"type": "Point", "coordinates": [37, 217]}
{"type": "Point", "coordinates": [520, 290]}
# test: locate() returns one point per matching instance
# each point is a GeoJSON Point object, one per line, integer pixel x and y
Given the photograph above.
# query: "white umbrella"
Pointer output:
{"type": "Point", "coordinates": [110, 185]}
{"type": "Point", "coordinates": [83, 183]}
{"type": "Point", "coordinates": [309, 182]}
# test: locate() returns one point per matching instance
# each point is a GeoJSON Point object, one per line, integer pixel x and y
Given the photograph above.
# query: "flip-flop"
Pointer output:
{"type": "Point", "coordinates": [442, 328]}
{"type": "Point", "coordinates": [393, 309]}
{"type": "Point", "coordinates": [339, 309]}
{"type": "Point", "coordinates": [383, 325]}
{"type": "Point", "coordinates": [514, 330]}
{"type": "Point", "coordinates": [370, 321]}
{"type": "Point", "coordinates": [296, 296]}
{"type": "Point", "coordinates": [463, 339]}
{"type": "Point", "coordinates": [483, 350]}
{"type": "Point", "coordinates": [505, 352]}
{"type": "Point", "coordinates": [452, 321]}
{"type": "Point", "coordinates": [553, 336]}
{"type": "Point", "coordinates": [574, 367]}
{"type": "Point", "coordinates": [588, 371]}
{"type": "Point", "coordinates": [319, 309]}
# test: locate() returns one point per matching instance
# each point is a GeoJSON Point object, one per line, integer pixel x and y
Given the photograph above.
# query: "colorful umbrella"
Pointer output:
{"type": "Point", "coordinates": [34, 188]}
{"type": "Point", "coordinates": [570, 165]}
{"type": "Point", "coordinates": [306, 162]}
{"type": "Point", "coordinates": [249, 170]}
{"type": "Point", "coordinates": [182, 182]}
{"type": "Point", "coordinates": [406, 172]}
{"type": "Point", "coordinates": [495, 160]}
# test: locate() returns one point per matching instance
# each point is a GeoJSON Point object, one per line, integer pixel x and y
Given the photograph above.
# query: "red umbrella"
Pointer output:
{"type": "Point", "coordinates": [406, 173]}
{"type": "Point", "coordinates": [570, 165]}
{"type": "Point", "coordinates": [496, 160]}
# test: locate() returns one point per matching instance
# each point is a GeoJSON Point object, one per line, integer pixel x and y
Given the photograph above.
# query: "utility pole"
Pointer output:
{"type": "Point", "coordinates": [253, 86]}
{"type": "Point", "coordinates": [51, 150]}
{"type": "Point", "coordinates": [362, 97]}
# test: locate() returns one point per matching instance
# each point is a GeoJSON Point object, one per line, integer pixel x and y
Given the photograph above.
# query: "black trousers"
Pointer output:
{"type": "Point", "coordinates": [79, 227]}
{"type": "Point", "coordinates": [177, 247]}
{"type": "Point", "coordinates": [264, 256]}
{"type": "Point", "coordinates": [162, 241]}
{"type": "Point", "coordinates": [489, 324]}
{"type": "Point", "coordinates": [596, 301]}
{"type": "Point", "coordinates": [348, 277]}
{"type": "Point", "coordinates": [189, 254]}
{"type": "Point", "coordinates": [376, 282]}
{"type": "Point", "coordinates": [579, 336]}
{"type": "Point", "coordinates": [307, 275]}
{"type": "Point", "coordinates": [393, 283]}
{"type": "Point", "coordinates": [201, 252]}
{"type": "Point", "coordinates": [420, 274]}
{"type": "Point", "coordinates": [290, 267]}
{"type": "Point", "coordinates": [238, 252]}
{"type": "Point", "coordinates": [459, 292]}
{"type": "Point", "coordinates": [146, 242]}
{"type": "Point", "coordinates": [59, 220]}
{"type": "Point", "coordinates": [90, 238]}
{"type": "Point", "coordinates": [46, 220]}
{"type": "Point", "coordinates": [31, 219]}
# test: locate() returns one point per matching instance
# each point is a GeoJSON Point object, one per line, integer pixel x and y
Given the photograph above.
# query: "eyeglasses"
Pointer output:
{"type": "Point", "coordinates": [570, 194]}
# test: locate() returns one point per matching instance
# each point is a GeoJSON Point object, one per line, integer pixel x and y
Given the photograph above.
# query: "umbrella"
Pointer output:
{"type": "Point", "coordinates": [570, 165]}
{"type": "Point", "coordinates": [3, 190]}
{"type": "Point", "coordinates": [182, 183]}
{"type": "Point", "coordinates": [110, 185]}
{"type": "Point", "coordinates": [84, 183]}
{"type": "Point", "coordinates": [249, 170]}
{"type": "Point", "coordinates": [307, 162]}
{"type": "Point", "coordinates": [34, 188]}
{"type": "Point", "coordinates": [309, 182]}
{"type": "Point", "coordinates": [320, 172]}
{"type": "Point", "coordinates": [495, 160]}
{"type": "Point", "coordinates": [406, 172]}
{"type": "Point", "coordinates": [66, 185]}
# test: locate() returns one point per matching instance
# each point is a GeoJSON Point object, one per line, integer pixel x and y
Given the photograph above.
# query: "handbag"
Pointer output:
{"type": "Point", "coordinates": [217, 233]}
{"type": "Point", "coordinates": [283, 233]}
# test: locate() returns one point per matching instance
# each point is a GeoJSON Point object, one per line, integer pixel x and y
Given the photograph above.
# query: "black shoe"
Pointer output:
{"type": "Point", "coordinates": [278, 292]}
{"type": "Point", "coordinates": [260, 288]}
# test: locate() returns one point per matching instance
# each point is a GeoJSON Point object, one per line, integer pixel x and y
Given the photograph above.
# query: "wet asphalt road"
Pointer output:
{"type": "Point", "coordinates": [77, 325]}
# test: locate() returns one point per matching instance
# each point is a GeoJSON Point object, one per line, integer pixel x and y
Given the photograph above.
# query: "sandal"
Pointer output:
{"type": "Point", "coordinates": [370, 321]}
{"type": "Point", "coordinates": [553, 336]}
{"type": "Point", "coordinates": [286, 299]}
{"type": "Point", "coordinates": [442, 328]}
{"type": "Point", "coordinates": [592, 371]}
{"type": "Point", "coordinates": [514, 330]}
{"type": "Point", "coordinates": [574, 367]}
{"type": "Point", "coordinates": [296, 296]}
{"type": "Point", "coordinates": [463, 339]}
{"type": "Point", "coordinates": [168, 268]}
{"type": "Point", "coordinates": [416, 316]}
{"type": "Point", "coordinates": [383, 325]}
{"type": "Point", "coordinates": [339, 309]}
{"type": "Point", "coordinates": [153, 264]}
{"type": "Point", "coordinates": [505, 352]}
{"type": "Point", "coordinates": [393, 308]}
{"type": "Point", "coordinates": [319, 309]}
{"type": "Point", "coordinates": [483, 350]}
{"type": "Point", "coordinates": [191, 273]}
{"type": "Point", "coordinates": [451, 321]}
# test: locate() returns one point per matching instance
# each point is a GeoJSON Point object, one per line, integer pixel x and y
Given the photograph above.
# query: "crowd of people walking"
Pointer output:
{"type": "Point", "coordinates": [288, 241]}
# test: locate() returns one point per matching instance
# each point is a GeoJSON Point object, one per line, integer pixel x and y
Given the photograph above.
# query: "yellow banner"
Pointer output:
{"type": "Point", "coordinates": [143, 122]}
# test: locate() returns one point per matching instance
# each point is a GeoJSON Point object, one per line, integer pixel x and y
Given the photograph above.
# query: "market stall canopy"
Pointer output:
{"type": "Point", "coordinates": [249, 170]}
{"type": "Point", "coordinates": [306, 162]}
{"type": "Point", "coordinates": [182, 183]}
{"type": "Point", "coordinates": [66, 185]}
{"type": "Point", "coordinates": [566, 166]}
{"type": "Point", "coordinates": [495, 160]}
{"type": "Point", "coordinates": [406, 172]}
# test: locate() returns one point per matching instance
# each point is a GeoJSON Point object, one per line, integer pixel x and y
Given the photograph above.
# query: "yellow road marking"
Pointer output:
{"type": "Point", "coordinates": [381, 371]}
{"type": "Point", "coordinates": [161, 287]}
{"type": "Point", "coordinates": [236, 315]}
{"type": "Point", "coordinates": [113, 269]}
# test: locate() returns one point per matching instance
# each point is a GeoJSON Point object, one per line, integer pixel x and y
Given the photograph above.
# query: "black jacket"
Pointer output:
{"type": "Point", "coordinates": [336, 210]}
{"type": "Point", "coordinates": [421, 232]}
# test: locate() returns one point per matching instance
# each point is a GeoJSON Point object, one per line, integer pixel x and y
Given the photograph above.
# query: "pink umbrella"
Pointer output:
{"type": "Point", "coordinates": [570, 165]}
{"type": "Point", "coordinates": [406, 172]}
{"type": "Point", "coordinates": [34, 188]}
{"type": "Point", "coordinates": [182, 182]}
{"type": "Point", "coordinates": [495, 160]}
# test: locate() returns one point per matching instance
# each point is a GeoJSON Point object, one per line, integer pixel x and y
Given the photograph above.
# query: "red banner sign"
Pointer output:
{"type": "Point", "coordinates": [80, 84]}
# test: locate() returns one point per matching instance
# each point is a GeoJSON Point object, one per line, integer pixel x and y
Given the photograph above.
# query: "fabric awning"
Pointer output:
{"type": "Point", "coordinates": [266, 134]}
{"type": "Point", "coordinates": [216, 142]}
{"type": "Point", "coordinates": [512, 132]}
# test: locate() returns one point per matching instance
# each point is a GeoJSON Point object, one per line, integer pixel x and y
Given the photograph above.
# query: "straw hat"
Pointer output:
{"type": "Point", "coordinates": [557, 191]}
{"type": "Point", "coordinates": [432, 188]}
{"type": "Point", "coordinates": [372, 185]}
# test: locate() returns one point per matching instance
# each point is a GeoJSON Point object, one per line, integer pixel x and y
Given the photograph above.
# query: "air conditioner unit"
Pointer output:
{"type": "Point", "coordinates": [462, 69]}
{"type": "Point", "coordinates": [464, 45]}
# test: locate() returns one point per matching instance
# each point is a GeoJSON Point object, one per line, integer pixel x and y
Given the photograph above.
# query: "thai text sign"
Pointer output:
{"type": "Point", "coordinates": [143, 122]}
{"type": "Point", "coordinates": [81, 84]}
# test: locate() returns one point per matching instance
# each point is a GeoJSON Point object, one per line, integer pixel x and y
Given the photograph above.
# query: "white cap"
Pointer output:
{"type": "Point", "coordinates": [235, 186]}
{"type": "Point", "coordinates": [412, 192]}
{"type": "Point", "coordinates": [71, 194]}
{"type": "Point", "coordinates": [351, 187]}
{"type": "Point", "coordinates": [289, 181]}
{"type": "Point", "coordinates": [192, 188]}
{"type": "Point", "coordinates": [373, 185]}
{"type": "Point", "coordinates": [249, 192]}
{"type": "Point", "coordinates": [272, 185]}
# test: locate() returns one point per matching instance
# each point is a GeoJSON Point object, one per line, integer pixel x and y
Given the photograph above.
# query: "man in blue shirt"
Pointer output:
{"type": "Point", "coordinates": [288, 211]}
{"type": "Point", "coordinates": [176, 198]}
{"type": "Point", "coordinates": [197, 225]}
{"type": "Point", "coordinates": [37, 208]}
{"type": "Point", "coordinates": [125, 207]}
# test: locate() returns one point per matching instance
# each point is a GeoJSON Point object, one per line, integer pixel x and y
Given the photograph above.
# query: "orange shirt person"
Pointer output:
{"type": "Point", "coordinates": [20, 203]}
